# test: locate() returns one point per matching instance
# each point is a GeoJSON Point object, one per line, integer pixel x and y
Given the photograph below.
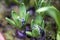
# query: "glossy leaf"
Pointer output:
{"type": "Point", "coordinates": [29, 33]}
{"type": "Point", "coordinates": [14, 15]}
{"type": "Point", "coordinates": [32, 23]}
{"type": "Point", "coordinates": [27, 17]}
{"type": "Point", "coordinates": [22, 10]}
{"type": "Point", "coordinates": [10, 21]}
{"type": "Point", "coordinates": [42, 24]}
{"type": "Point", "coordinates": [35, 33]}
{"type": "Point", "coordinates": [52, 11]}
{"type": "Point", "coordinates": [38, 20]}
{"type": "Point", "coordinates": [35, 30]}
{"type": "Point", "coordinates": [55, 14]}
{"type": "Point", "coordinates": [16, 18]}
{"type": "Point", "coordinates": [23, 14]}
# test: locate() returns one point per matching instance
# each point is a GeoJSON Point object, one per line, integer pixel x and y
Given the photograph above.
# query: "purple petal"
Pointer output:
{"type": "Point", "coordinates": [20, 34]}
{"type": "Point", "coordinates": [31, 10]}
{"type": "Point", "coordinates": [27, 28]}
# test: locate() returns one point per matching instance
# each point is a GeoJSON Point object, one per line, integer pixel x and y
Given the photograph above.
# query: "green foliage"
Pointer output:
{"type": "Point", "coordinates": [38, 20]}
{"type": "Point", "coordinates": [17, 18]}
{"type": "Point", "coordinates": [10, 21]}
{"type": "Point", "coordinates": [55, 14]}
{"type": "Point", "coordinates": [52, 11]}
{"type": "Point", "coordinates": [35, 31]}
{"type": "Point", "coordinates": [43, 8]}
{"type": "Point", "coordinates": [22, 12]}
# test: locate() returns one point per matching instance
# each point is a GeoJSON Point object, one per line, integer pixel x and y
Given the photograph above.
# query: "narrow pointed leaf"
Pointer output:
{"type": "Point", "coordinates": [27, 17]}
{"type": "Point", "coordinates": [53, 12]}
{"type": "Point", "coordinates": [22, 10]}
{"type": "Point", "coordinates": [28, 33]}
{"type": "Point", "coordinates": [43, 24]}
{"type": "Point", "coordinates": [38, 20]}
{"type": "Point", "coordinates": [10, 21]}
{"type": "Point", "coordinates": [16, 19]}
{"type": "Point", "coordinates": [14, 15]}
{"type": "Point", "coordinates": [35, 30]}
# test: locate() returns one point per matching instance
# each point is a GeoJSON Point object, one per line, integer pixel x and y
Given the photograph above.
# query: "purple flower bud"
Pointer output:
{"type": "Point", "coordinates": [23, 21]}
{"type": "Point", "coordinates": [31, 10]}
{"type": "Point", "coordinates": [43, 36]}
{"type": "Point", "coordinates": [28, 28]}
{"type": "Point", "coordinates": [20, 34]}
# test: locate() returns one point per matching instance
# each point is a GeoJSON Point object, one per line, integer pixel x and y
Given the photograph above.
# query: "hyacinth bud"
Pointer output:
{"type": "Point", "coordinates": [28, 27]}
{"type": "Point", "coordinates": [31, 10]}
{"type": "Point", "coordinates": [20, 34]}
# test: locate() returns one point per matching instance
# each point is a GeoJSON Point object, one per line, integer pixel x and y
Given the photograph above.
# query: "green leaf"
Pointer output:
{"type": "Point", "coordinates": [58, 35]}
{"type": "Point", "coordinates": [27, 17]}
{"type": "Point", "coordinates": [22, 10]}
{"type": "Point", "coordinates": [43, 24]}
{"type": "Point", "coordinates": [32, 23]}
{"type": "Point", "coordinates": [16, 19]}
{"type": "Point", "coordinates": [53, 12]}
{"type": "Point", "coordinates": [10, 21]}
{"type": "Point", "coordinates": [28, 33]}
{"type": "Point", "coordinates": [14, 15]}
{"type": "Point", "coordinates": [38, 20]}
{"type": "Point", "coordinates": [35, 30]}
{"type": "Point", "coordinates": [35, 33]}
